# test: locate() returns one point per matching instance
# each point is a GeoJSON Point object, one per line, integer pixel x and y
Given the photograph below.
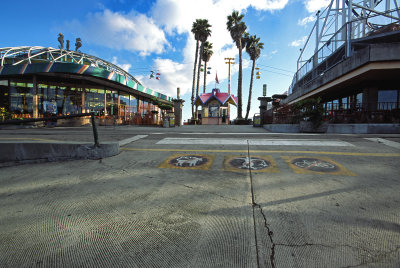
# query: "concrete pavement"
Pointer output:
{"type": "Point", "coordinates": [165, 202]}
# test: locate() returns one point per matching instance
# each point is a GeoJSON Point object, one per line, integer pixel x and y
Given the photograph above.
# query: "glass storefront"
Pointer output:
{"type": "Point", "coordinates": [4, 93]}
{"type": "Point", "coordinates": [111, 102]}
{"type": "Point", "coordinates": [94, 101]}
{"type": "Point", "coordinates": [18, 97]}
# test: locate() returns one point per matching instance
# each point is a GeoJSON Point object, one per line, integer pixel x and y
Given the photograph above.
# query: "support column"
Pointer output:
{"type": "Point", "coordinates": [178, 103]}
{"type": "Point", "coordinates": [263, 108]}
{"type": "Point", "coordinates": [83, 102]}
{"type": "Point", "coordinates": [105, 101]}
{"type": "Point", "coordinates": [370, 99]}
{"type": "Point", "coordinates": [119, 104]}
{"type": "Point", "coordinates": [35, 110]}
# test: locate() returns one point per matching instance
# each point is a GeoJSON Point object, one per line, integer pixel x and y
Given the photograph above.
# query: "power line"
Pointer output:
{"type": "Point", "coordinates": [276, 73]}
{"type": "Point", "coordinates": [276, 68]}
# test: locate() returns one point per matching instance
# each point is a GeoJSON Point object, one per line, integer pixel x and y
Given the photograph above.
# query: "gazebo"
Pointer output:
{"type": "Point", "coordinates": [214, 107]}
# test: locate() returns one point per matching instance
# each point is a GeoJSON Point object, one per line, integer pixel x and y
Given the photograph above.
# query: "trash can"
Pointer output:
{"type": "Point", "coordinates": [256, 120]}
{"type": "Point", "coordinates": [165, 122]}
{"type": "Point", "coordinates": [172, 121]}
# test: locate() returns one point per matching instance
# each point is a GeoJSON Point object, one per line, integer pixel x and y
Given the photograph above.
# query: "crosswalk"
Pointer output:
{"type": "Point", "coordinates": [256, 141]}
{"type": "Point", "coordinates": [263, 142]}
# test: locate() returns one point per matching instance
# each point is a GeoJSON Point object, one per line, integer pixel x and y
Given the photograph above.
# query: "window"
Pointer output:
{"type": "Point", "coordinates": [213, 110]}
{"type": "Point", "coordinates": [133, 104]}
{"type": "Point", "coordinates": [94, 101]}
{"type": "Point", "coordinates": [111, 102]}
{"type": "Point", "coordinates": [387, 99]}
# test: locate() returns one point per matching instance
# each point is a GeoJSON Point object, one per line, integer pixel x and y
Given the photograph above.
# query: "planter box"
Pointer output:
{"type": "Point", "coordinates": [109, 121]}
{"type": "Point", "coordinates": [308, 127]}
{"type": "Point", "coordinates": [73, 122]}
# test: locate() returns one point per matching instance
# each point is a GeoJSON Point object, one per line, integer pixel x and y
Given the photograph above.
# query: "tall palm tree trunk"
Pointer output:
{"type": "Point", "coordinates": [239, 109]}
{"type": "Point", "coordinates": [250, 90]}
{"type": "Point", "coordinates": [194, 77]}
{"type": "Point", "coordinates": [198, 75]}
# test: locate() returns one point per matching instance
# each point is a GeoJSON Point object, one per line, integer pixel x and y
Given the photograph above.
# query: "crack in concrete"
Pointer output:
{"type": "Point", "coordinates": [257, 206]}
{"type": "Point", "coordinates": [270, 235]}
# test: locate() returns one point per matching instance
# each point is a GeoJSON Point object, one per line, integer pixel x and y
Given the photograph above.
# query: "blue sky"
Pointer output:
{"type": "Point", "coordinates": [141, 36]}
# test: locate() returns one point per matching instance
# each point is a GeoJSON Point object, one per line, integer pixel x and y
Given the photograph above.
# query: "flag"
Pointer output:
{"type": "Point", "coordinates": [216, 78]}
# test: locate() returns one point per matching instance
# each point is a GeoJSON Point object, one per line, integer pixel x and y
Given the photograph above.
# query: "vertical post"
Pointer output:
{"type": "Point", "coordinates": [349, 28]}
{"type": "Point", "coordinates": [344, 29]}
{"type": "Point", "coordinates": [299, 62]}
{"type": "Point", "coordinates": [35, 112]}
{"type": "Point", "coordinates": [119, 104]}
{"type": "Point", "coordinates": [230, 61]}
{"type": "Point", "coordinates": [139, 106]}
{"type": "Point", "coordinates": [105, 102]}
{"type": "Point", "coordinates": [95, 134]}
{"type": "Point", "coordinates": [317, 33]}
{"type": "Point", "coordinates": [83, 100]}
{"type": "Point", "coordinates": [336, 22]}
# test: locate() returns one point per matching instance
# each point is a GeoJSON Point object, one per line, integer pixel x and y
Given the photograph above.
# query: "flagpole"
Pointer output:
{"type": "Point", "coordinates": [215, 82]}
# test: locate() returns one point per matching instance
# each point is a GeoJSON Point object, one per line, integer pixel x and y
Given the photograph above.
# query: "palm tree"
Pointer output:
{"type": "Point", "coordinates": [196, 29]}
{"type": "Point", "coordinates": [207, 53]}
{"type": "Point", "coordinates": [237, 27]}
{"type": "Point", "coordinates": [253, 48]}
{"type": "Point", "coordinates": [204, 33]}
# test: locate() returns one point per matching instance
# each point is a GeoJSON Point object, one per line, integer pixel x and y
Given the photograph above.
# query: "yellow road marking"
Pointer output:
{"type": "Point", "coordinates": [206, 166]}
{"type": "Point", "coordinates": [273, 168]}
{"type": "Point", "coordinates": [262, 151]}
{"type": "Point", "coordinates": [298, 170]}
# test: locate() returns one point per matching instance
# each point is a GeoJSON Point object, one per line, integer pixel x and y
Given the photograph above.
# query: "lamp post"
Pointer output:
{"type": "Point", "coordinates": [229, 61]}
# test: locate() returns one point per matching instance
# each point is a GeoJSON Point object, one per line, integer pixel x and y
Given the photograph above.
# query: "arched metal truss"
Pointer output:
{"type": "Point", "coordinates": [37, 54]}
{"type": "Point", "coordinates": [340, 24]}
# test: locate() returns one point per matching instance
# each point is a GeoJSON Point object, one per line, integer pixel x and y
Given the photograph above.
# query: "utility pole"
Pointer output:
{"type": "Point", "coordinates": [229, 61]}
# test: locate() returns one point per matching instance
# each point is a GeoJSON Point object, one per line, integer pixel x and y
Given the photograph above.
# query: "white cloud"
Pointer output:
{"type": "Point", "coordinates": [315, 5]}
{"type": "Point", "coordinates": [307, 20]}
{"type": "Point", "coordinates": [125, 66]}
{"type": "Point", "coordinates": [133, 32]}
{"type": "Point", "coordinates": [269, 4]}
{"type": "Point", "coordinates": [299, 42]}
{"type": "Point", "coordinates": [172, 75]}
{"type": "Point", "coordinates": [147, 34]}
{"type": "Point", "coordinates": [177, 17]}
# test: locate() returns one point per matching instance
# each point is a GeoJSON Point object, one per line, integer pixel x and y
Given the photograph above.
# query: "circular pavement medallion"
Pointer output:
{"type": "Point", "coordinates": [254, 163]}
{"type": "Point", "coordinates": [188, 161]}
{"type": "Point", "coordinates": [315, 164]}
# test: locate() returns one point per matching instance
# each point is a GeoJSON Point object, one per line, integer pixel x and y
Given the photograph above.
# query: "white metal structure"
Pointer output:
{"type": "Point", "coordinates": [37, 54]}
{"type": "Point", "coordinates": [340, 24]}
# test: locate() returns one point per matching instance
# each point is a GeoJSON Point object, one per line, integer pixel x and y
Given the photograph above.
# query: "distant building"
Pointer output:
{"type": "Point", "coordinates": [214, 107]}
{"type": "Point", "coordinates": [36, 80]}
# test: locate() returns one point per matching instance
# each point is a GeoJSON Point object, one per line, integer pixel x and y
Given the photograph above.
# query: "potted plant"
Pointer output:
{"type": "Point", "coordinates": [310, 114]}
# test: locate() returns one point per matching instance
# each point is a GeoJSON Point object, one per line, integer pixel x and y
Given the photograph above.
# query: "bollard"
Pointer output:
{"type": "Point", "coordinates": [95, 134]}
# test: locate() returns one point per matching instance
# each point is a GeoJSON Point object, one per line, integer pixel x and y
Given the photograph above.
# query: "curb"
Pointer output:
{"type": "Point", "coordinates": [27, 152]}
